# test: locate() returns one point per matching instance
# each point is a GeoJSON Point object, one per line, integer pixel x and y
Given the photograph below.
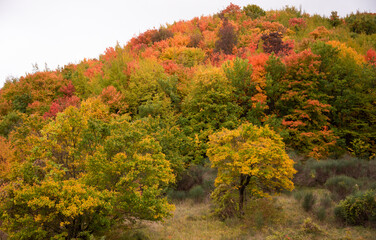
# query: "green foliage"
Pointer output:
{"type": "Point", "coordinates": [309, 226]}
{"type": "Point", "coordinates": [362, 23]}
{"type": "Point", "coordinates": [262, 212]}
{"type": "Point", "coordinates": [197, 193]}
{"type": "Point", "coordinates": [21, 102]}
{"type": "Point", "coordinates": [253, 11]}
{"type": "Point", "coordinates": [9, 122]}
{"type": "Point", "coordinates": [334, 19]}
{"type": "Point", "coordinates": [239, 72]}
{"type": "Point", "coordinates": [207, 107]}
{"type": "Point", "coordinates": [341, 186]}
{"type": "Point", "coordinates": [316, 173]}
{"type": "Point", "coordinates": [309, 200]}
{"type": "Point", "coordinates": [357, 209]}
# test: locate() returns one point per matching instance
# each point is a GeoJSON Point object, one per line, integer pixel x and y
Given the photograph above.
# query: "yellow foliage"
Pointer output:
{"type": "Point", "coordinates": [252, 158]}
{"type": "Point", "coordinates": [345, 51]}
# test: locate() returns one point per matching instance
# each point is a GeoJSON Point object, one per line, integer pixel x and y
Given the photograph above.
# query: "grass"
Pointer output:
{"type": "Point", "coordinates": [194, 220]}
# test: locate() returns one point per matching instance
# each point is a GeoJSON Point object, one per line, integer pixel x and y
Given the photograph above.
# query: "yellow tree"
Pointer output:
{"type": "Point", "coordinates": [251, 160]}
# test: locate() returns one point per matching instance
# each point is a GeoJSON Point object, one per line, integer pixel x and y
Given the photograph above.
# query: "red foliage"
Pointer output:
{"type": "Point", "coordinates": [61, 104]}
{"type": "Point", "coordinates": [109, 54]}
{"type": "Point", "coordinates": [170, 66]}
{"type": "Point", "coordinates": [114, 99]}
{"type": "Point", "coordinates": [94, 69]}
{"type": "Point", "coordinates": [371, 57]}
{"type": "Point", "coordinates": [68, 90]}
{"type": "Point", "coordinates": [231, 9]}
{"type": "Point", "coordinates": [297, 22]}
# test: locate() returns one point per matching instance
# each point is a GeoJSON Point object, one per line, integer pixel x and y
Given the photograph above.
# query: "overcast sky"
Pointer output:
{"type": "Point", "coordinates": [58, 32]}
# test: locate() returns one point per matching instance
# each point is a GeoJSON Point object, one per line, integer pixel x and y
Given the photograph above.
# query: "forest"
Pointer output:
{"type": "Point", "coordinates": [243, 124]}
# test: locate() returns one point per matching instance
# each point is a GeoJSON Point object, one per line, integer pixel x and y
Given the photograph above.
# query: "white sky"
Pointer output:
{"type": "Point", "coordinates": [58, 32]}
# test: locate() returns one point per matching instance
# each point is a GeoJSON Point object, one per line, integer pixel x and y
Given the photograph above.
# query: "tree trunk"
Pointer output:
{"type": "Point", "coordinates": [244, 181]}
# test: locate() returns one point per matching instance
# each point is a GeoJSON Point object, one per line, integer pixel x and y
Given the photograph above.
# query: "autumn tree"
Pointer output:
{"type": "Point", "coordinates": [227, 38]}
{"type": "Point", "coordinates": [251, 161]}
{"type": "Point", "coordinates": [86, 171]}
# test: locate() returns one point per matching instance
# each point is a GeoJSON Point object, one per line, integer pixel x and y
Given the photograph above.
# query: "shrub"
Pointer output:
{"type": "Point", "coordinates": [176, 195]}
{"type": "Point", "coordinates": [325, 201]}
{"type": "Point", "coordinates": [357, 209]}
{"type": "Point", "coordinates": [321, 213]}
{"type": "Point", "coordinates": [308, 201]}
{"type": "Point", "coordinates": [316, 173]}
{"type": "Point", "coordinates": [341, 186]}
{"type": "Point", "coordinates": [197, 193]}
{"type": "Point", "coordinates": [309, 226]}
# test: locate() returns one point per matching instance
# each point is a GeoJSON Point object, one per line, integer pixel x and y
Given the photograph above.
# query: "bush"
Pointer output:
{"type": "Point", "coordinates": [357, 209]}
{"type": "Point", "coordinates": [316, 173]}
{"type": "Point", "coordinates": [309, 226]}
{"type": "Point", "coordinates": [308, 201]}
{"type": "Point", "coordinates": [341, 186]}
{"type": "Point", "coordinates": [325, 201]}
{"type": "Point", "coordinates": [197, 193]}
{"type": "Point", "coordinates": [321, 213]}
{"type": "Point", "coordinates": [176, 195]}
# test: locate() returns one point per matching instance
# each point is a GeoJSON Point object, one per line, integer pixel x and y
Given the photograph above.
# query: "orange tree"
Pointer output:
{"type": "Point", "coordinates": [250, 160]}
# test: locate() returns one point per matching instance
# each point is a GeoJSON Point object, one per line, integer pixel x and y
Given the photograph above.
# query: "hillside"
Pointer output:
{"type": "Point", "coordinates": [91, 143]}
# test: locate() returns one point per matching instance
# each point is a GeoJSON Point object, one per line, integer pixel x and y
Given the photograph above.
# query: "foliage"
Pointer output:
{"type": "Point", "coordinates": [341, 186]}
{"type": "Point", "coordinates": [357, 209]}
{"type": "Point", "coordinates": [85, 173]}
{"type": "Point", "coordinates": [334, 19]}
{"type": "Point", "coordinates": [316, 173]}
{"type": "Point", "coordinates": [250, 160]}
{"type": "Point", "coordinates": [208, 106]}
{"type": "Point", "coordinates": [362, 22]}
{"type": "Point", "coordinates": [253, 11]}
{"type": "Point", "coordinates": [9, 122]}
{"type": "Point", "coordinates": [272, 42]}
{"type": "Point", "coordinates": [227, 38]}
{"type": "Point", "coordinates": [121, 127]}
{"type": "Point", "coordinates": [308, 201]}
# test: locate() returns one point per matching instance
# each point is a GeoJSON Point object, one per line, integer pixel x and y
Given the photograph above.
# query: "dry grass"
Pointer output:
{"type": "Point", "coordinates": [193, 221]}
